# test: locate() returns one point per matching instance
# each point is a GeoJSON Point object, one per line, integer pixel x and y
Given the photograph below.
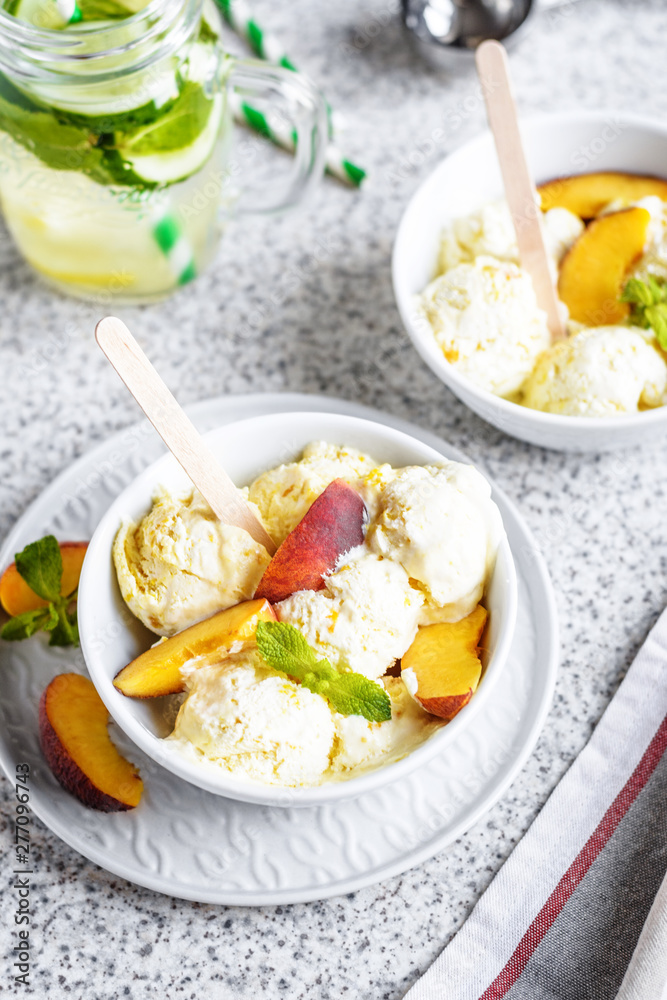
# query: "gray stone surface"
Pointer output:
{"type": "Point", "coordinates": [600, 520]}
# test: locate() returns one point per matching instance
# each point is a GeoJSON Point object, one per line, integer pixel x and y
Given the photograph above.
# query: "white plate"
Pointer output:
{"type": "Point", "coordinates": [188, 843]}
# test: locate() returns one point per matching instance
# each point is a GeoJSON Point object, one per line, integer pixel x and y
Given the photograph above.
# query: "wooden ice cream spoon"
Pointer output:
{"type": "Point", "coordinates": [177, 430]}
{"type": "Point", "coordinates": [493, 70]}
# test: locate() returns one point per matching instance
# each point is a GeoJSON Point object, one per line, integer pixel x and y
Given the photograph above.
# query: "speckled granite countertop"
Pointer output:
{"type": "Point", "coordinates": [600, 520]}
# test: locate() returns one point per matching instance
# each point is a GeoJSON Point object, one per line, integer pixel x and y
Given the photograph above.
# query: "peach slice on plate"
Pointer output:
{"type": "Point", "coordinates": [594, 269]}
{"type": "Point", "coordinates": [158, 671]}
{"type": "Point", "coordinates": [16, 596]}
{"type": "Point", "coordinates": [587, 194]}
{"type": "Point", "coordinates": [442, 668]}
{"type": "Point", "coordinates": [78, 749]}
{"type": "Point", "coordinates": [333, 525]}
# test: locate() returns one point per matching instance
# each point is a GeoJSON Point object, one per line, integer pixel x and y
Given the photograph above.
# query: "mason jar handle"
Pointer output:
{"type": "Point", "coordinates": [297, 115]}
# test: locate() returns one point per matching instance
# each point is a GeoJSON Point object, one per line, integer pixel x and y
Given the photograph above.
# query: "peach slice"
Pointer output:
{"type": "Point", "coordinates": [594, 269]}
{"type": "Point", "coordinates": [587, 194]}
{"type": "Point", "coordinates": [334, 524]}
{"type": "Point", "coordinates": [158, 671]}
{"type": "Point", "coordinates": [445, 664]}
{"type": "Point", "coordinates": [16, 596]}
{"type": "Point", "coordinates": [78, 749]}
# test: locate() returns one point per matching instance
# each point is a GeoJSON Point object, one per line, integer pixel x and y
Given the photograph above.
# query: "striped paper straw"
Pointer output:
{"type": "Point", "coordinates": [238, 16]}
{"type": "Point", "coordinates": [283, 136]}
{"type": "Point", "coordinates": [69, 11]}
{"type": "Point", "coordinates": [171, 240]}
{"type": "Point", "coordinates": [240, 19]}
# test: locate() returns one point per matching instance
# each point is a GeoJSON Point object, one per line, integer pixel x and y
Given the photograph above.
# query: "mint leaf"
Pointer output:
{"type": "Point", "coordinates": [65, 631]}
{"type": "Point", "coordinates": [56, 619]}
{"type": "Point", "coordinates": [105, 125]}
{"type": "Point", "coordinates": [63, 144]}
{"type": "Point", "coordinates": [656, 317]}
{"type": "Point", "coordinates": [104, 10]}
{"type": "Point", "coordinates": [285, 649]}
{"type": "Point", "coordinates": [638, 293]}
{"type": "Point", "coordinates": [206, 33]}
{"type": "Point", "coordinates": [41, 566]}
{"type": "Point", "coordinates": [658, 290]}
{"type": "Point", "coordinates": [174, 129]}
{"type": "Point", "coordinates": [25, 625]}
{"type": "Point", "coordinates": [649, 306]}
{"type": "Point", "coordinates": [351, 694]}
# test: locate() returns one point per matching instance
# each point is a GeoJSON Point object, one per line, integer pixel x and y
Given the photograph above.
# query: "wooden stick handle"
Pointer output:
{"type": "Point", "coordinates": [177, 430]}
{"type": "Point", "coordinates": [493, 70]}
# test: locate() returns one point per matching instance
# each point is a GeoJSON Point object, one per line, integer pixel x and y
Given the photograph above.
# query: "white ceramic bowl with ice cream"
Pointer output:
{"type": "Point", "coordinates": [557, 145]}
{"type": "Point", "coordinates": [245, 730]}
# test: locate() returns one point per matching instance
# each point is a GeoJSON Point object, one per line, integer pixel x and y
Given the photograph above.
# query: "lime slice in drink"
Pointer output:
{"type": "Point", "coordinates": [46, 14]}
{"type": "Point", "coordinates": [57, 14]}
{"type": "Point", "coordinates": [178, 142]}
{"type": "Point", "coordinates": [121, 79]}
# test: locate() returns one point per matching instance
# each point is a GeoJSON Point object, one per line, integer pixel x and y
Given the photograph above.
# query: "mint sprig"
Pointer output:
{"type": "Point", "coordinates": [172, 129]}
{"type": "Point", "coordinates": [648, 300]}
{"type": "Point", "coordinates": [40, 564]}
{"type": "Point", "coordinates": [285, 649]}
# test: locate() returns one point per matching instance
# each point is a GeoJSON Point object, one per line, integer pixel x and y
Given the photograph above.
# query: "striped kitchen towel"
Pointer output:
{"type": "Point", "coordinates": [564, 915]}
{"type": "Point", "coordinates": [646, 978]}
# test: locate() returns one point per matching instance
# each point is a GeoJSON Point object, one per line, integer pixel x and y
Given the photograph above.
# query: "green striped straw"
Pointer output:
{"type": "Point", "coordinates": [335, 164]}
{"type": "Point", "coordinates": [169, 236]}
{"type": "Point", "coordinates": [240, 19]}
{"type": "Point", "coordinates": [69, 10]}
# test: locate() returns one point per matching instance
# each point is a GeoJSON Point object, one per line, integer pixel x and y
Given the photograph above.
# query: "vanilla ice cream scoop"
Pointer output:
{"type": "Point", "coordinates": [654, 259]}
{"type": "Point", "coordinates": [285, 494]}
{"type": "Point", "coordinates": [179, 564]}
{"type": "Point", "coordinates": [364, 619]}
{"type": "Point", "coordinates": [441, 525]}
{"type": "Point", "coordinates": [361, 744]}
{"type": "Point", "coordinates": [489, 232]}
{"type": "Point", "coordinates": [259, 724]}
{"type": "Point", "coordinates": [255, 722]}
{"type": "Point", "coordinates": [485, 318]}
{"type": "Point", "coordinates": [599, 372]}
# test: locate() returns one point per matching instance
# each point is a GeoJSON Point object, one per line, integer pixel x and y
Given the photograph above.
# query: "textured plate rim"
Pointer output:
{"type": "Point", "coordinates": [266, 402]}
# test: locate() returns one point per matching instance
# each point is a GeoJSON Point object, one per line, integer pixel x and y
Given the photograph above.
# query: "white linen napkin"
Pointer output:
{"type": "Point", "coordinates": [646, 978]}
{"type": "Point", "coordinates": [561, 919]}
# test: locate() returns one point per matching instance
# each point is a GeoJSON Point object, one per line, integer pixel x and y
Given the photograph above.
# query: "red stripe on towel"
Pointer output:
{"type": "Point", "coordinates": [579, 867]}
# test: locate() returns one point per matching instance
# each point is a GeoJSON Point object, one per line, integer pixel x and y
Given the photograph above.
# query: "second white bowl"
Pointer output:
{"type": "Point", "coordinates": [556, 145]}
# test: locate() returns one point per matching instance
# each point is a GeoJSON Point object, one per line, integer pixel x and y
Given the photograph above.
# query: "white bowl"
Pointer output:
{"type": "Point", "coordinates": [111, 636]}
{"type": "Point", "coordinates": [573, 142]}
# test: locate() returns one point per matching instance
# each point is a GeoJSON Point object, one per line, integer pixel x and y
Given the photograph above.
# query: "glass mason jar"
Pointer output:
{"type": "Point", "coordinates": [117, 169]}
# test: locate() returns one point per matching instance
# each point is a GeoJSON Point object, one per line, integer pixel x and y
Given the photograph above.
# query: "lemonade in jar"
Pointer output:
{"type": "Point", "coordinates": [116, 139]}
